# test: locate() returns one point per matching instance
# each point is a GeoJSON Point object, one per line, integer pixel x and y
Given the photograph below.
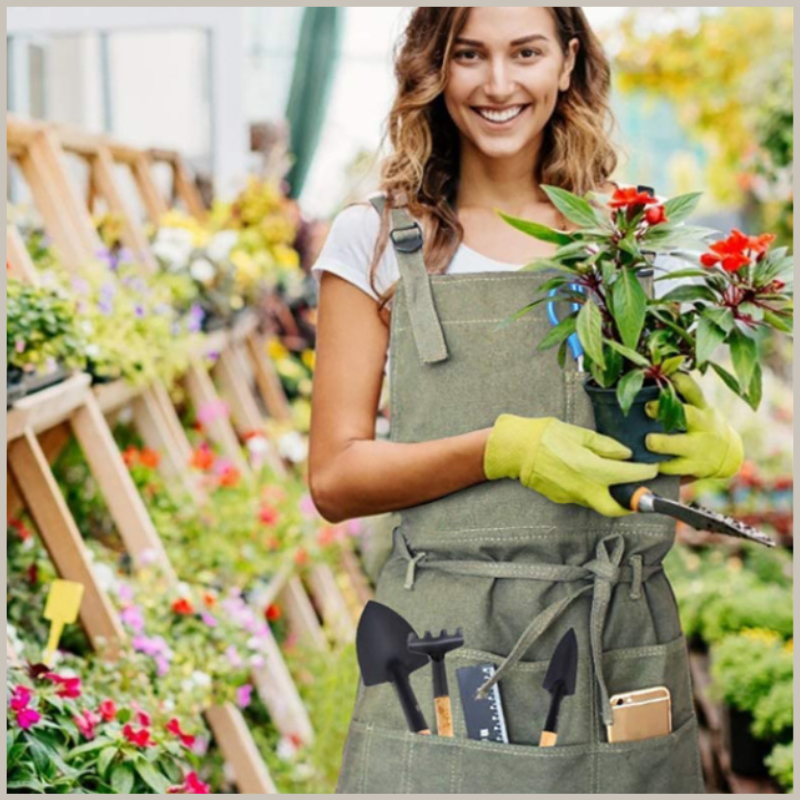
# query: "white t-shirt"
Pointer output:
{"type": "Point", "coordinates": [350, 245]}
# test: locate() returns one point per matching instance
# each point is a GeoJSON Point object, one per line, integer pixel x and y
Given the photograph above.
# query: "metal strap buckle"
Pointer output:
{"type": "Point", "coordinates": [408, 244]}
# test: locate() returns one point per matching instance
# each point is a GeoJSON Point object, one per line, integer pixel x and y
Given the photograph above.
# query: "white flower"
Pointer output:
{"type": "Point", "coordinates": [202, 270]}
{"type": "Point", "coordinates": [183, 589]}
{"type": "Point", "coordinates": [294, 446]}
{"type": "Point", "coordinates": [201, 679]}
{"type": "Point", "coordinates": [92, 350]}
{"type": "Point", "coordinates": [286, 749]}
{"type": "Point", "coordinates": [382, 426]}
{"type": "Point", "coordinates": [105, 577]}
{"type": "Point", "coordinates": [220, 245]}
{"type": "Point", "coordinates": [256, 661]}
{"type": "Point", "coordinates": [87, 326]}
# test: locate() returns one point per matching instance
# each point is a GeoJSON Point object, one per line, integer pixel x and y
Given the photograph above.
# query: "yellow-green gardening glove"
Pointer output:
{"type": "Point", "coordinates": [565, 463]}
{"type": "Point", "coordinates": [711, 448]}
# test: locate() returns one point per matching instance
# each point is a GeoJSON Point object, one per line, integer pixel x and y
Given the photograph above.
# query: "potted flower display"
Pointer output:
{"type": "Point", "coordinates": [634, 345]}
{"type": "Point", "coordinates": [43, 341]}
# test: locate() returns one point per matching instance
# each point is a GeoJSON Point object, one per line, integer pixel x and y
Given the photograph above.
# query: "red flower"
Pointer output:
{"type": "Point", "coordinates": [33, 573]}
{"type": "Point", "coordinates": [737, 250]}
{"type": "Point", "coordinates": [760, 244]}
{"type": "Point", "coordinates": [182, 606]}
{"type": "Point", "coordinates": [140, 738]}
{"type": "Point", "coordinates": [108, 710]}
{"type": "Point", "coordinates": [20, 698]}
{"type": "Point", "coordinates": [174, 726]}
{"type": "Point", "coordinates": [268, 514]}
{"type": "Point", "coordinates": [655, 215]}
{"type": "Point", "coordinates": [150, 458]}
{"type": "Point", "coordinates": [130, 455]}
{"type": "Point", "coordinates": [630, 197]}
{"type": "Point", "coordinates": [273, 612]}
{"type": "Point", "coordinates": [17, 524]}
{"type": "Point", "coordinates": [192, 785]}
{"type": "Point", "coordinates": [301, 556]}
{"type": "Point", "coordinates": [68, 687]}
{"type": "Point", "coordinates": [144, 718]}
{"type": "Point", "coordinates": [202, 458]}
{"type": "Point", "coordinates": [209, 599]}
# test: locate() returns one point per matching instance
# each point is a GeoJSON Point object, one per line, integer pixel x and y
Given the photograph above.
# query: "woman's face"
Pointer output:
{"type": "Point", "coordinates": [505, 71]}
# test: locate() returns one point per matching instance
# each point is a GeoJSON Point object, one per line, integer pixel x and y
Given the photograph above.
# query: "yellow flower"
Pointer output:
{"type": "Point", "coordinates": [309, 358]}
{"type": "Point", "coordinates": [286, 256]}
{"type": "Point", "coordinates": [276, 350]}
{"type": "Point", "coordinates": [761, 635]}
{"type": "Point", "coordinates": [789, 646]}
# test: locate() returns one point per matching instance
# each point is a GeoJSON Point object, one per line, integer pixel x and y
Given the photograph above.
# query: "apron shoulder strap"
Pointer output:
{"type": "Point", "coordinates": [406, 236]}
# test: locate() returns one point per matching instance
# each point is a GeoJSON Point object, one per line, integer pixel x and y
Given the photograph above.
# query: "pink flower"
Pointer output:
{"type": "Point", "coordinates": [86, 722]}
{"type": "Point", "coordinates": [307, 507]}
{"type": "Point", "coordinates": [20, 698]}
{"type": "Point", "coordinates": [244, 695]}
{"type": "Point", "coordinates": [232, 654]}
{"type": "Point", "coordinates": [216, 409]}
{"type": "Point", "coordinates": [209, 620]}
{"type": "Point", "coordinates": [132, 617]}
{"type": "Point", "coordinates": [27, 717]}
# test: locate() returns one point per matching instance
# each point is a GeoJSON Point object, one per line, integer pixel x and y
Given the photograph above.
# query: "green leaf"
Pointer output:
{"type": "Point", "coordinates": [519, 314]}
{"type": "Point", "coordinates": [122, 777]}
{"type": "Point", "coordinates": [559, 333]}
{"type": "Point", "coordinates": [679, 208]}
{"type": "Point", "coordinates": [709, 338]}
{"type": "Point", "coordinates": [628, 388]}
{"type": "Point", "coordinates": [784, 324]}
{"type": "Point", "coordinates": [88, 747]}
{"type": "Point", "coordinates": [671, 365]}
{"type": "Point", "coordinates": [631, 355]}
{"type": "Point", "coordinates": [682, 273]}
{"type": "Point", "coordinates": [105, 758]}
{"type": "Point", "coordinates": [670, 410]}
{"type": "Point", "coordinates": [152, 777]}
{"type": "Point", "coordinates": [727, 378]}
{"type": "Point", "coordinates": [630, 305]}
{"type": "Point", "coordinates": [688, 294]}
{"type": "Point", "coordinates": [562, 354]}
{"type": "Point", "coordinates": [538, 231]}
{"type": "Point", "coordinates": [744, 355]}
{"type": "Point", "coordinates": [721, 317]}
{"type": "Point", "coordinates": [755, 389]}
{"type": "Point", "coordinates": [590, 332]}
{"type": "Point", "coordinates": [545, 264]}
{"type": "Point", "coordinates": [574, 208]}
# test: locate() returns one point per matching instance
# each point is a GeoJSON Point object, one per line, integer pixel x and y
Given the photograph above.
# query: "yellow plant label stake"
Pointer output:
{"type": "Point", "coordinates": [63, 602]}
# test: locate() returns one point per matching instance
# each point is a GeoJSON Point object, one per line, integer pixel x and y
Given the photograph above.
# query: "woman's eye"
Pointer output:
{"type": "Point", "coordinates": [467, 55]}
{"type": "Point", "coordinates": [529, 52]}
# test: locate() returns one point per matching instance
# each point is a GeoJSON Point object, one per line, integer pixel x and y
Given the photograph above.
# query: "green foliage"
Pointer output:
{"type": "Point", "coordinates": [780, 763]}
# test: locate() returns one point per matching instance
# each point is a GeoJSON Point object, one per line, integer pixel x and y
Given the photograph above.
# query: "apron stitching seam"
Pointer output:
{"type": "Point", "coordinates": [365, 758]}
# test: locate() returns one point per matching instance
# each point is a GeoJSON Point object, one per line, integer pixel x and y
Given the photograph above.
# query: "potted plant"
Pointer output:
{"type": "Point", "coordinates": [43, 341]}
{"type": "Point", "coordinates": [633, 344]}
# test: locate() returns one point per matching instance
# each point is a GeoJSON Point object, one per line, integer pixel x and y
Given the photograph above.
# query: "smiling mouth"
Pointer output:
{"type": "Point", "coordinates": [503, 117]}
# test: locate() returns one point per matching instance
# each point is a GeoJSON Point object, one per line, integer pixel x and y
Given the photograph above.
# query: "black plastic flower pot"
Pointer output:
{"type": "Point", "coordinates": [746, 753]}
{"type": "Point", "coordinates": [15, 386]}
{"type": "Point", "coordinates": [630, 430]}
{"type": "Point", "coordinates": [39, 381]}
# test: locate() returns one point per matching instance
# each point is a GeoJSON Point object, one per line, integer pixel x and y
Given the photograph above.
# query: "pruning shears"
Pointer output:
{"type": "Point", "coordinates": [573, 342]}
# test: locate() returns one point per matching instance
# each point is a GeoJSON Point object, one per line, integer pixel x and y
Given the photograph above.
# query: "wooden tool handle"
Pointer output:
{"type": "Point", "coordinates": [444, 716]}
{"type": "Point", "coordinates": [547, 739]}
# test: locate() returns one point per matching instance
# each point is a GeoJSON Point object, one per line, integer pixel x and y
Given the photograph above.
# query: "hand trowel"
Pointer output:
{"type": "Point", "coordinates": [384, 657]}
{"type": "Point", "coordinates": [560, 682]}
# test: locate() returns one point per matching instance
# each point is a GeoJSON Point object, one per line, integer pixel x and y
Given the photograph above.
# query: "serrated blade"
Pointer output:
{"type": "Point", "coordinates": [704, 519]}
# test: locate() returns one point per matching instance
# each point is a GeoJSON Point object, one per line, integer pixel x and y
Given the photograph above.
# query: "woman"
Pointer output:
{"type": "Point", "coordinates": [507, 528]}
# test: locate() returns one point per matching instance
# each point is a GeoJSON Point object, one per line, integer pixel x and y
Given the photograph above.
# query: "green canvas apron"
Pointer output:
{"type": "Point", "coordinates": [514, 570]}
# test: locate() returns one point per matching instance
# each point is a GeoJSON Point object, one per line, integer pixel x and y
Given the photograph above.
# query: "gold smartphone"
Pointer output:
{"type": "Point", "coordinates": [641, 714]}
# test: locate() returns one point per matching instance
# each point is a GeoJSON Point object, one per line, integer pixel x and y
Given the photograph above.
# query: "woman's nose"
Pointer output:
{"type": "Point", "coordinates": [498, 82]}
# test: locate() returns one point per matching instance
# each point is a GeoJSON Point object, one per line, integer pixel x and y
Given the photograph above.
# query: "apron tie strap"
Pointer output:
{"type": "Point", "coordinates": [605, 570]}
{"type": "Point", "coordinates": [636, 584]}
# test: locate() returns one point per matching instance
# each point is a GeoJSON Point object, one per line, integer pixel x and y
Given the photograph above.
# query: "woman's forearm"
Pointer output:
{"type": "Point", "coordinates": [373, 477]}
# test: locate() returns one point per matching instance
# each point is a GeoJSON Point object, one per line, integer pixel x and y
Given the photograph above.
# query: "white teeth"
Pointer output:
{"type": "Point", "coordinates": [500, 116]}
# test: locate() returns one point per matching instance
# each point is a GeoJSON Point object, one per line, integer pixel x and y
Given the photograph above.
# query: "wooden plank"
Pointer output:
{"type": "Point", "coordinates": [14, 501]}
{"type": "Point", "coordinates": [124, 502]}
{"type": "Point", "coordinates": [154, 203]}
{"type": "Point", "coordinates": [202, 391]}
{"type": "Point", "coordinates": [303, 620]}
{"type": "Point", "coordinates": [116, 394]}
{"type": "Point", "coordinates": [157, 435]}
{"type": "Point", "coordinates": [331, 603]}
{"type": "Point", "coordinates": [62, 539]}
{"type": "Point", "coordinates": [47, 408]}
{"type": "Point", "coordinates": [103, 172]}
{"type": "Point", "coordinates": [244, 411]}
{"type": "Point", "coordinates": [170, 416]}
{"type": "Point", "coordinates": [269, 384]}
{"type": "Point", "coordinates": [352, 568]}
{"type": "Point", "coordinates": [18, 259]}
{"type": "Point", "coordinates": [279, 694]}
{"type": "Point", "coordinates": [236, 744]}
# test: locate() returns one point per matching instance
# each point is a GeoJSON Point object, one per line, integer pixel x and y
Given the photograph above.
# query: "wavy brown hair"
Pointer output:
{"type": "Point", "coordinates": [423, 166]}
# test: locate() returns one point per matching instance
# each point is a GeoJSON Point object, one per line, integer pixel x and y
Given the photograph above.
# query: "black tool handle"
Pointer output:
{"type": "Point", "coordinates": [623, 493]}
{"type": "Point", "coordinates": [439, 679]}
{"type": "Point", "coordinates": [555, 705]}
{"type": "Point", "coordinates": [408, 701]}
